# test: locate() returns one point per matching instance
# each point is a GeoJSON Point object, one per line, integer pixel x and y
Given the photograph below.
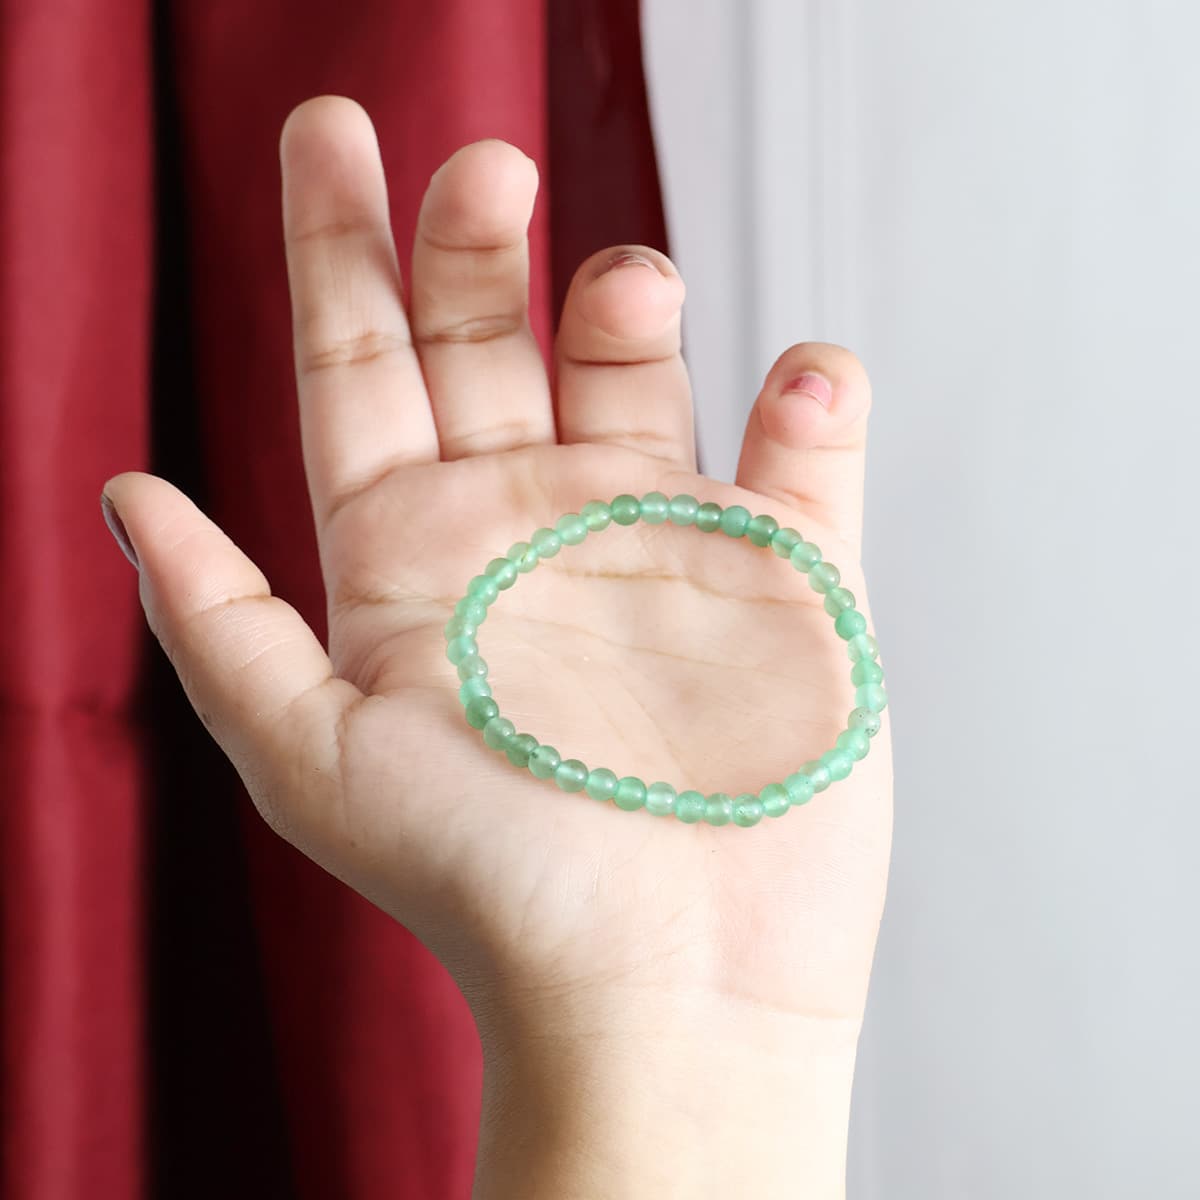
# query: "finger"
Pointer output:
{"type": "Point", "coordinates": [620, 376]}
{"type": "Point", "coordinates": [805, 441]}
{"type": "Point", "coordinates": [255, 673]}
{"type": "Point", "coordinates": [363, 406]}
{"type": "Point", "coordinates": [470, 296]}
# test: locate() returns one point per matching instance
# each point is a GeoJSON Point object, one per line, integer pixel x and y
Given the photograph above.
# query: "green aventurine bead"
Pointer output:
{"type": "Point", "coordinates": [458, 648]}
{"type": "Point", "coordinates": [497, 732]}
{"type": "Point", "coordinates": [838, 762]}
{"type": "Point", "coordinates": [854, 742]}
{"type": "Point", "coordinates": [519, 748]}
{"type": "Point", "coordinates": [571, 775]}
{"type": "Point", "coordinates": [689, 807]}
{"type": "Point", "coordinates": [708, 517]}
{"type": "Point", "coordinates": [862, 646]}
{"type": "Point", "coordinates": [596, 514]}
{"type": "Point", "coordinates": [480, 710]}
{"type": "Point", "coordinates": [477, 685]}
{"type": "Point", "coordinates": [837, 600]}
{"type": "Point", "coordinates": [784, 541]}
{"type": "Point", "coordinates": [682, 509]}
{"type": "Point", "coordinates": [572, 528]}
{"type": "Point", "coordinates": [799, 788]}
{"type": "Point", "coordinates": [524, 555]}
{"type": "Point", "coordinates": [472, 610]}
{"type": "Point", "coordinates": [601, 784]}
{"type": "Point", "coordinates": [805, 556]}
{"type": "Point", "coordinates": [850, 623]}
{"type": "Point", "coordinates": [503, 571]}
{"type": "Point", "coordinates": [483, 588]}
{"type": "Point", "coordinates": [734, 520]}
{"type": "Point", "coordinates": [630, 793]}
{"type": "Point", "coordinates": [654, 508]}
{"type": "Point", "coordinates": [543, 762]}
{"type": "Point", "coordinates": [660, 799]}
{"type": "Point", "coordinates": [864, 719]}
{"type": "Point", "coordinates": [459, 627]}
{"type": "Point", "coordinates": [866, 670]}
{"type": "Point", "coordinates": [747, 810]}
{"type": "Point", "coordinates": [871, 696]}
{"type": "Point", "coordinates": [774, 799]}
{"type": "Point", "coordinates": [471, 665]}
{"type": "Point", "coordinates": [546, 542]}
{"type": "Point", "coordinates": [818, 772]}
{"type": "Point", "coordinates": [760, 529]}
{"type": "Point", "coordinates": [823, 576]}
{"type": "Point", "coordinates": [626, 509]}
{"type": "Point", "coordinates": [718, 809]}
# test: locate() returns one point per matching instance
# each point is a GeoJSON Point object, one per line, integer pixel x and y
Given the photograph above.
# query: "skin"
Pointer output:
{"type": "Point", "coordinates": [664, 1009]}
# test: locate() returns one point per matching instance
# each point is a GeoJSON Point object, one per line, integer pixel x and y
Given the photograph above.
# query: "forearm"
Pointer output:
{"type": "Point", "coordinates": [678, 1098]}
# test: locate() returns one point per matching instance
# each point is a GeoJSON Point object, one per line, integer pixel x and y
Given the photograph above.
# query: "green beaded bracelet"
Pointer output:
{"type": "Point", "coordinates": [629, 792]}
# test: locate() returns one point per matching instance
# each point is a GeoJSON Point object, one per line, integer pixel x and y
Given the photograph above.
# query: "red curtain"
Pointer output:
{"type": "Point", "coordinates": [189, 1006]}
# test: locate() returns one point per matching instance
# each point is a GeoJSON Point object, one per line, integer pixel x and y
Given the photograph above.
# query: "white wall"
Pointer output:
{"type": "Point", "coordinates": [997, 208]}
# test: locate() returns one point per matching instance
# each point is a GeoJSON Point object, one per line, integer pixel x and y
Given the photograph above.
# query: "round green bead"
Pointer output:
{"type": "Point", "coordinates": [543, 762]}
{"type": "Point", "coordinates": [471, 665]}
{"type": "Point", "coordinates": [718, 809]}
{"type": "Point", "coordinates": [596, 514]}
{"type": "Point", "coordinates": [805, 556]}
{"type": "Point", "coordinates": [497, 732]}
{"type": "Point", "coordinates": [546, 542]}
{"type": "Point", "coordinates": [838, 763]}
{"type": "Point", "coordinates": [850, 623]}
{"type": "Point", "coordinates": [654, 508]}
{"type": "Point", "coordinates": [480, 710]}
{"type": "Point", "coordinates": [519, 748]}
{"type": "Point", "coordinates": [483, 588]}
{"type": "Point", "coordinates": [474, 611]}
{"type": "Point", "coordinates": [626, 509]}
{"type": "Point", "coordinates": [823, 576]}
{"type": "Point", "coordinates": [784, 541]}
{"type": "Point", "coordinates": [459, 627]}
{"type": "Point", "coordinates": [503, 571]}
{"type": "Point", "coordinates": [660, 799]}
{"type": "Point", "coordinates": [572, 528]}
{"type": "Point", "coordinates": [682, 509]}
{"type": "Point", "coordinates": [864, 719]}
{"type": "Point", "coordinates": [601, 784]}
{"type": "Point", "coordinates": [571, 775]}
{"type": "Point", "coordinates": [862, 645]}
{"type": "Point", "coordinates": [838, 600]}
{"type": "Point", "coordinates": [477, 685]}
{"type": "Point", "coordinates": [818, 772]}
{"type": "Point", "coordinates": [871, 696]}
{"type": "Point", "coordinates": [855, 743]}
{"type": "Point", "coordinates": [458, 648]}
{"type": "Point", "coordinates": [630, 793]}
{"type": "Point", "coordinates": [689, 807]}
{"type": "Point", "coordinates": [774, 799]}
{"type": "Point", "coordinates": [747, 810]}
{"type": "Point", "coordinates": [708, 517]}
{"type": "Point", "coordinates": [760, 529]}
{"type": "Point", "coordinates": [734, 520]}
{"type": "Point", "coordinates": [866, 670]}
{"type": "Point", "coordinates": [799, 788]}
{"type": "Point", "coordinates": [524, 556]}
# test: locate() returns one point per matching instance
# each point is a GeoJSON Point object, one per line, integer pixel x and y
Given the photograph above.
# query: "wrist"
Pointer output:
{"type": "Point", "coordinates": [661, 1095]}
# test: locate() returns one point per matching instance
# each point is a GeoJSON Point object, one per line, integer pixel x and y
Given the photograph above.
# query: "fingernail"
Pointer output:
{"type": "Point", "coordinates": [814, 385]}
{"type": "Point", "coordinates": [117, 528]}
{"type": "Point", "coordinates": [628, 259]}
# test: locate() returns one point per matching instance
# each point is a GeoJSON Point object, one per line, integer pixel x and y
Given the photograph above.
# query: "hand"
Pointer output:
{"type": "Point", "coordinates": [433, 441]}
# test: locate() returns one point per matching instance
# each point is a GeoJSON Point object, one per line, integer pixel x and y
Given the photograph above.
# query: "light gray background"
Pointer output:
{"type": "Point", "coordinates": [996, 208]}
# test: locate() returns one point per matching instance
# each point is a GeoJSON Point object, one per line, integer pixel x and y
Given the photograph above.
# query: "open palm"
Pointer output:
{"type": "Point", "coordinates": [433, 441]}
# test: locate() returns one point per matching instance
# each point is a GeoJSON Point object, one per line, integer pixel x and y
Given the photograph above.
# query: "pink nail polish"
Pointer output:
{"type": "Point", "coordinates": [814, 385]}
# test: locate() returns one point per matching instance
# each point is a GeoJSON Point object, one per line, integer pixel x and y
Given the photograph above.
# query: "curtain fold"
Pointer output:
{"type": "Point", "coordinates": [191, 1007]}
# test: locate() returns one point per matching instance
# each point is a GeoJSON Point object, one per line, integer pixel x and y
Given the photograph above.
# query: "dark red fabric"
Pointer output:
{"type": "Point", "coordinates": [190, 1007]}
